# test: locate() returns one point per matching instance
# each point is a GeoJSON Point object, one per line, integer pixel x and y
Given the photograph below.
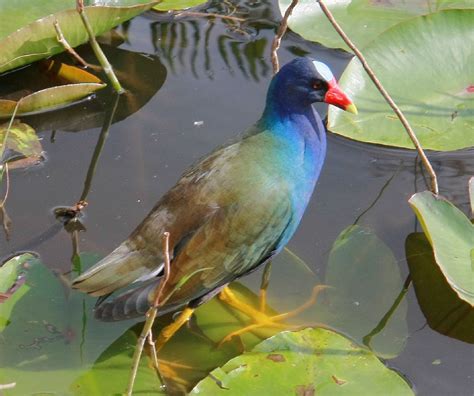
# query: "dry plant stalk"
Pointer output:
{"type": "Point", "coordinates": [387, 97]}
{"type": "Point", "coordinates": [150, 319]}
{"type": "Point", "coordinates": [280, 32]}
{"type": "Point", "coordinates": [62, 40]}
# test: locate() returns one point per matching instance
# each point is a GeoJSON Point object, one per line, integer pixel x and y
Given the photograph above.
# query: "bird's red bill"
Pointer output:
{"type": "Point", "coordinates": [335, 96]}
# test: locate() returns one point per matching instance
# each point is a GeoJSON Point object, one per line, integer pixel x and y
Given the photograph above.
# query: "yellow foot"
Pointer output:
{"type": "Point", "coordinates": [259, 317]}
{"type": "Point", "coordinates": [172, 328]}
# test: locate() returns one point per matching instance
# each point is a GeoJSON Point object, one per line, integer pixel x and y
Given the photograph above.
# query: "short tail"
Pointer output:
{"type": "Point", "coordinates": [120, 268]}
{"type": "Point", "coordinates": [131, 304]}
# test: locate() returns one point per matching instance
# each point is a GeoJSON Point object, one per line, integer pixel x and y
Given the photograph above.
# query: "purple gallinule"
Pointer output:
{"type": "Point", "coordinates": [231, 211]}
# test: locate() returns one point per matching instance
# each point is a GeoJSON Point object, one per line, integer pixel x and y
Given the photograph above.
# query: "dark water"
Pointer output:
{"type": "Point", "coordinates": [195, 83]}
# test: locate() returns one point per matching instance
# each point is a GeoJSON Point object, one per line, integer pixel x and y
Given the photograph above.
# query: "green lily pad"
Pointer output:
{"type": "Point", "coordinates": [49, 99]}
{"type": "Point", "coordinates": [444, 311]}
{"type": "Point", "coordinates": [109, 375]}
{"type": "Point", "coordinates": [169, 5]}
{"type": "Point", "coordinates": [428, 69]}
{"type": "Point", "coordinates": [10, 278]}
{"type": "Point", "coordinates": [27, 33]}
{"type": "Point", "coordinates": [21, 138]}
{"type": "Point", "coordinates": [362, 20]}
{"type": "Point", "coordinates": [363, 280]}
{"type": "Point", "coordinates": [308, 362]}
{"type": "Point", "coordinates": [451, 236]}
{"type": "Point", "coordinates": [51, 337]}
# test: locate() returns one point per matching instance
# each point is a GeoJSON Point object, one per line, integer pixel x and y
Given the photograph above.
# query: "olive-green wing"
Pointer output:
{"type": "Point", "coordinates": [231, 243]}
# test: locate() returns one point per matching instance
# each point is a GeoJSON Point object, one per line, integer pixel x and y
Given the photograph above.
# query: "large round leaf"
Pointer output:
{"type": "Point", "coordinates": [363, 20]}
{"type": "Point", "coordinates": [308, 362]}
{"type": "Point", "coordinates": [444, 311]}
{"type": "Point", "coordinates": [27, 32]}
{"type": "Point", "coordinates": [364, 281]}
{"type": "Point", "coordinates": [451, 235]}
{"type": "Point", "coordinates": [427, 65]}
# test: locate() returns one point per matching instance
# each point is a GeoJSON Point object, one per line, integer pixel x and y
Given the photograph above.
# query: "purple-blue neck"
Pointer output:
{"type": "Point", "coordinates": [294, 118]}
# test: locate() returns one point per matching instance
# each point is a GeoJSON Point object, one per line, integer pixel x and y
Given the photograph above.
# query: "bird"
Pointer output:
{"type": "Point", "coordinates": [231, 211]}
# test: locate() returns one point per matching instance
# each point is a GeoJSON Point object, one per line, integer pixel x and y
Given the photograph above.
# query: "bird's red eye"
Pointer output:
{"type": "Point", "coordinates": [317, 85]}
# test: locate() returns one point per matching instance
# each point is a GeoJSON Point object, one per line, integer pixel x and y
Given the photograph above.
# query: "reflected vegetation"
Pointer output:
{"type": "Point", "coordinates": [142, 75]}
{"type": "Point", "coordinates": [184, 43]}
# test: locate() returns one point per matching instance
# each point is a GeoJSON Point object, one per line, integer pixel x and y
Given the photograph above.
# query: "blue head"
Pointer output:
{"type": "Point", "coordinates": [301, 83]}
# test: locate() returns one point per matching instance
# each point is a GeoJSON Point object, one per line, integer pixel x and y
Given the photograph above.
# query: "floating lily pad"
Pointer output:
{"type": "Point", "coordinates": [27, 33]}
{"type": "Point", "coordinates": [109, 375]}
{"type": "Point", "coordinates": [308, 362]}
{"type": "Point", "coordinates": [169, 5]}
{"type": "Point", "coordinates": [363, 280]}
{"type": "Point", "coordinates": [48, 99]}
{"type": "Point", "coordinates": [451, 236]}
{"type": "Point", "coordinates": [21, 138]}
{"type": "Point", "coordinates": [75, 84]}
{"type": "Point", "coordinates": [51, 327]}
{"type": "Point", "coordinates": [362, 20]}
{"type": "Point", "coordinates": [12, 286]}
{"type": "Point", "coordinates": [428, 69]}
{"type": "Point", "coordinates": [444, 311]}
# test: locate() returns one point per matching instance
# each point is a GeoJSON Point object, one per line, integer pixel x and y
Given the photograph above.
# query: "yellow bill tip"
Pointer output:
{"type": "Point", "coordinates": [351, 109]}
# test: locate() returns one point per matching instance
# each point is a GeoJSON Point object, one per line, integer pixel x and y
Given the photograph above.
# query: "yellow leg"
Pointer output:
{"type": "Point", "coordinates": [264, 286]}
{"type": "Point", "coordinates": [260, 319]}
{"type": "Point", "coordinates": [172, 328]}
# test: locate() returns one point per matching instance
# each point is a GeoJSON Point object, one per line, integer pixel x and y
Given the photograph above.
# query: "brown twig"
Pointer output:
{"type": "Point", "coordinates": [280, 32]}
{"type": "Point", "coordinates": [107, 67]}
{"type": "Point", "coordinates": [387, 97]}
{"type": "Point", "coordinates": [62, 40]}
{"type": "Point", "coordinates": [150, 317]}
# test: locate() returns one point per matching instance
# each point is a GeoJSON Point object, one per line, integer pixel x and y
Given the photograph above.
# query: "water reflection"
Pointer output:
{"type": "Point", "coordinates": [186, 43]}
{"type": "Point", "coordinates": [142, 75]}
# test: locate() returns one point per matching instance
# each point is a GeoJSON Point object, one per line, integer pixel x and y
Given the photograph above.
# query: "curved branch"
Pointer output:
{"type": "Point", "coordinates": [387, 97]}
{"type": "Point", "coordinates": [280, 32]}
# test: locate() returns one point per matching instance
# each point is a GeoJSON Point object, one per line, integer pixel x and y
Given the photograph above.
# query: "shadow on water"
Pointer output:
{"type": "Point", "coordinates": [170, 65]}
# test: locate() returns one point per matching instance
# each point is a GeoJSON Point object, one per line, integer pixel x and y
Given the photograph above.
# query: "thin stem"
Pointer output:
{"type": "Point", "coordinates": [7, 187]}
{"type": "Point", "coordinates": [280, 32]}
{"type": "Point", "coordinates": [62, 40]}
{"type": "Point", "coordinates": [166, 261]}
{"type": "Point", "coordinates": [7, 132]}
{"type": "Point", "coordinates": [383, 322]}
{"type": "Point", "coordinates": [108, 70]}
{"type": "Point", "coordinates": [150, 317]}
{"type": "Point", "coordinates": [387, 97]}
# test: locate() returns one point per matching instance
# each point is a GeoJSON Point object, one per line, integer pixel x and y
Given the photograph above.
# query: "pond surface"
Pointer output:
{"type": "Point", "coordinates": [195, 83]}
